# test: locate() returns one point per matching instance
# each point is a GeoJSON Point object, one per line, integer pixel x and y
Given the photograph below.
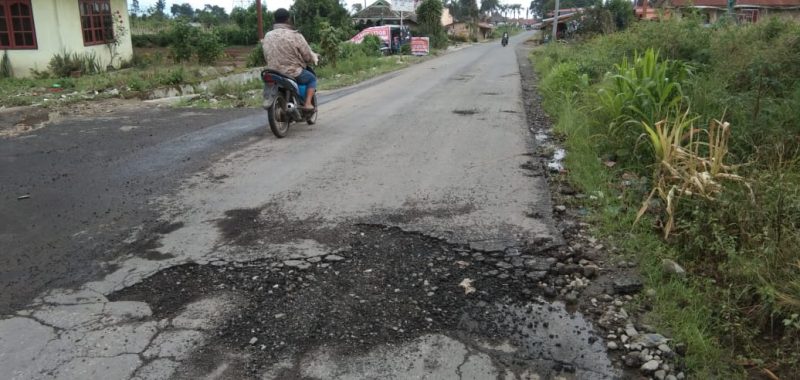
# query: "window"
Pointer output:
{"type": "Point", "coordinates": [96, 21]}
{"type": "Point", "coordinates": [16, 25]}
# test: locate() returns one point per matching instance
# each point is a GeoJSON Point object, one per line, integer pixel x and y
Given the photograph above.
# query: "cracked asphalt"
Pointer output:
{"type": "Point", "coordinates": [402, 236]}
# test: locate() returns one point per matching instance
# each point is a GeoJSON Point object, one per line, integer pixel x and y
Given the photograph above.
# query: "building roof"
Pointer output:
{"type": "Point", "coordinates": [381, 10]}
{"type": "Point", "coordinates": [562, 11]}
{"type": "Point", "coordinates": [739, 3]}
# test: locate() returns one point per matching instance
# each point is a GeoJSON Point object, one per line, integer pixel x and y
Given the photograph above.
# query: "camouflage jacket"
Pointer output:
{"type": "Point", "coordinates": [286, 51]}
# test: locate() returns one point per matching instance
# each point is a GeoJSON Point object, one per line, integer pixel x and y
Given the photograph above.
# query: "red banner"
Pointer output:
{"type": "Point", "coordinates": [381, 31]}
{"type": "Point", "coordinates": [420, 45]}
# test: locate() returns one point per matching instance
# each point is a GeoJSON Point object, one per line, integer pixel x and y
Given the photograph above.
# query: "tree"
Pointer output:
{"type": "Point", "coordinates": [621, 12]}
{"type": "Point", "coordinates": [429, 17]}
{"type": "Point", "coordinates": [211, 15]}
{"type": "Point", "coordinates": [157, 10]}
{"type": "Point", "coordinates": [247, 21]}
{"type": "Point", "coordinates": [184, 10]}
{"type": "Point", "coordinates": [309, 14]}
{"type": "Point", "coordinates": [517, 8]}
{"type": "Point", "coordinates": [356, 8]}
{"type": "Point", "coordinates": [487, 6]}
{"type": "Point", "coordinates": [329, 42]}
{"type": "Point", "coordinates": [135, 8]}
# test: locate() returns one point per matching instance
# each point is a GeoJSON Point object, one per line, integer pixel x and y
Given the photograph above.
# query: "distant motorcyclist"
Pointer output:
{"type": "Point", "coordinates": [504, 41]}
{"type": "Point", "coordinates": [288, 53]}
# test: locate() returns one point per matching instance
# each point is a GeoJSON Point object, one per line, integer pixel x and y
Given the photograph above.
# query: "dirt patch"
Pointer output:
{"type": "Point", "coordinates": [19, 121]}
{"type": "Point", "coordinates": [269, 224]}
{"type": "Point", "coordinates": [148, 241]}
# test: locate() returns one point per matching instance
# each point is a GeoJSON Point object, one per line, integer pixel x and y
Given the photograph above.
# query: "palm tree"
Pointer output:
{"type": "Point", "coordinates": [516, 8]}
{"type": "Point", "coordinates": [487, 6]}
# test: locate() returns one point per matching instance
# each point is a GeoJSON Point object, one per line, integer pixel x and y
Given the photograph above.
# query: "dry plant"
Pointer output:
{"type": "Point", "coordinates": [686, 165]}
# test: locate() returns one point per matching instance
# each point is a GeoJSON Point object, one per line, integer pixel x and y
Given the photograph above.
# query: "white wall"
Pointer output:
{"type": "Point", "coordinates": [58, 27]}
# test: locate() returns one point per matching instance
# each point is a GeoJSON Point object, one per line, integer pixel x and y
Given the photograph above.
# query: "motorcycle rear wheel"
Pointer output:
{"type": "Point", "coordinates": [278, 117]}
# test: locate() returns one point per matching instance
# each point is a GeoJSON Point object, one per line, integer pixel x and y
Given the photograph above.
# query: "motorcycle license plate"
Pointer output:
{"type": "Point", "coordinates": [270, 93]}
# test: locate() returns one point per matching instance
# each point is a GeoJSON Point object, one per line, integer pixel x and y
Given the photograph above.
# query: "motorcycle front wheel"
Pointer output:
{"type": "Point", "coordinates": [278, 116]}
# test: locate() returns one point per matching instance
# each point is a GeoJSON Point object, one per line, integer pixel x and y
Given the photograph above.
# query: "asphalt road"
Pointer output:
{"type": "Point", "coordinates": [439, 153]}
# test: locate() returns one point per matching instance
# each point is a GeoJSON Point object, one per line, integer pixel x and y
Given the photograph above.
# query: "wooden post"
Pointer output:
{"type": "Point", "coordinates": [644, 9]}
{"type": "Point", "coordinates": [555, 22]}
{"type": "Point", "coordinates": [260, 17]}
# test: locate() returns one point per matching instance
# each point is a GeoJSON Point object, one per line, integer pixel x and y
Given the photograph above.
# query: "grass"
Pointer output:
{"type": "Point", "coordinates": [360, 68]}
{"type": "Point", "coordinates": [678, 307]}
{"type": "Point", "coordinates": [137, 81]}
{"type": "Point", "coordinates": [737, 235]}
{"type": "Point", "coordinates": [130, 83]}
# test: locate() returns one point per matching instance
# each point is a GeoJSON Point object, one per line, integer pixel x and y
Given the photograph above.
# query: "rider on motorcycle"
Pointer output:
{"type": "Point", "coordinates": [505, 38]}
{"type": "Point", "coordinates": [288, 53]}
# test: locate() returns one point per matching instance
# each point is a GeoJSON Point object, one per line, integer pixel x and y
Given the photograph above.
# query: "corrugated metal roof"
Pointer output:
{"type": "Point", "coordinates": [739, 3]}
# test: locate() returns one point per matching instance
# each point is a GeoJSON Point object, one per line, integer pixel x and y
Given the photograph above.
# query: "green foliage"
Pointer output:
{"type": "Point", "coordinates": [65, 63]}
{"type": "Point", "coordinates": [646, 90]}
{"type": "Point", "coordinates": [740, 245]}
{"type": "Point", "coordinates": [429, 15]}
{"type": "Point", "coordinates": [621, 12]}
{"type": "Point", "coordinates": [406, 49]}
{"type": "Point", "coordinates": [245, 31]}
{"type": "Point", "coordinates": [183, 35]}
{"type": "Point", "coordinates": [329, 42]}
{"type": "Point", "coordinates": [256, 57]}
{"type": "Point", "coordinates": [188, 41]}
{"type": "Point", "coordinates": [208, 48]}
{"type": "Point", "coordinates": [349, 50]}
{"type": "Point", "coordinates": [309, 14]}
{"type": "Point", "coordinates": [371, 45]}
{"type": "Point", "coordinates": [5, 66]}
{"type": "Point", "coordinates": [172, 77]}
{"type": "Point", "coordinates": [160, 39]}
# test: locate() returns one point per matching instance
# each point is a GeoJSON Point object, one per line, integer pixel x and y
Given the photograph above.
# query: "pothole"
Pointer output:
{"type": "Point", "coordinates": [384, 286]}
{"type": "Point", "coordinates": [466, 112]}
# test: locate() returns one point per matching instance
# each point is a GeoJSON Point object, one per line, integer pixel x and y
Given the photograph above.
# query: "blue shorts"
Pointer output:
{"type": "Point", "coordinates": [307, 78]}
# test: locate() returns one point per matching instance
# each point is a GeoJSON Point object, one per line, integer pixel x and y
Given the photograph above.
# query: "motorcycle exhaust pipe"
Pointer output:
{"type": "Point", "coordinates": [292, 108]}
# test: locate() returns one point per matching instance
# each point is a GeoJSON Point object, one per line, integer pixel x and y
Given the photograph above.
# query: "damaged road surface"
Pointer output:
{"type": "Point", "coordinates": [407, 235]}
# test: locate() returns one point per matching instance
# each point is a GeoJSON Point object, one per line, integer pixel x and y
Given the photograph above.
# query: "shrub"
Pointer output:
{"type": "Point", "coordinates": [349, 50]}
{"type": "Point", "coordinates": [65, 63]}
{"type": "Point", "coordinates": [160, 39]}
{"type": "Point", "coordinates": [188, 41]}
{"type": "Point", "coordinates": [183, 36]}
{"type": "Point", "coordinates": [256, 57]}
{"type": "Point", "coordinates": [172, 77]}
{"type": "Point", "coordinates": [207, 48]}
{"type": "Point", "coordinates": [406, 49]}
{"type": "Point", "coordinates": [371, 45]}
{"type": "Point", "coordinates": [329, 42]}
{"type": "Point", "coordinates": [5, 66]}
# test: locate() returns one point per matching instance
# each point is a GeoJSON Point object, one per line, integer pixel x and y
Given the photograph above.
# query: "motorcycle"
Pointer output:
{"type": "Point", "coordinates": [283, 98]}
{"type": "Point", "coordinates": [504, 41]}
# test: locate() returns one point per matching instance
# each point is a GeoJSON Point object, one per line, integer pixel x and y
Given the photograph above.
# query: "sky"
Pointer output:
{"type": "Point", "coordinates": [270, 4]}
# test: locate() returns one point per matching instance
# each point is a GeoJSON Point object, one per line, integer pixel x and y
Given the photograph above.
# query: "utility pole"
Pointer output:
{"type": "Point", "coordinates": [259, 17]}
{"type": "Point", "coordinates": [555, 22]}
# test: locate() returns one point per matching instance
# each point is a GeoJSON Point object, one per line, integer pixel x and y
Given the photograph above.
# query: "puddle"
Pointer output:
{"type": "Point", "coordinates": [551, 336]}
{"type": "Point", "coordinates": [556, 164]}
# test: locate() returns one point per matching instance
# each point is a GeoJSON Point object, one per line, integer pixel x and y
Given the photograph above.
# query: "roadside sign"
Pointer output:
{"type": "Point", "coordinates": [420, 45]}
{"type": "Point", "coordinates": [404, 5]}
{"type": "Point", "coordinates": [383, 32]}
